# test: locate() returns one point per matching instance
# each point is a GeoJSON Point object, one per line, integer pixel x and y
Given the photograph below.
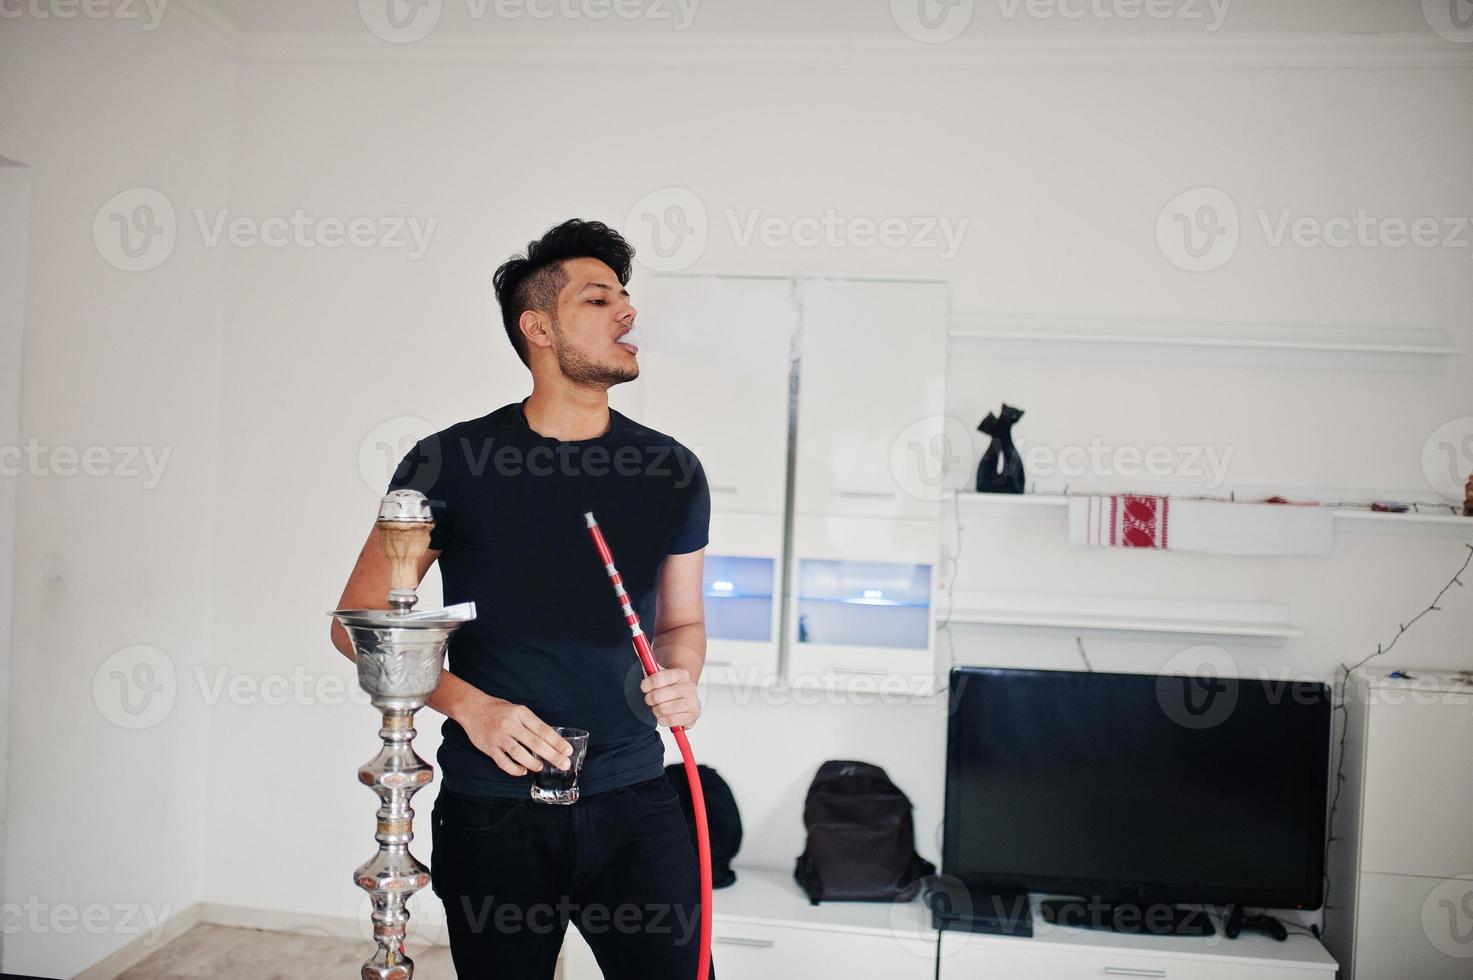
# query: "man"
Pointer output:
{"type": "Point", "coordinates": [550, 647]}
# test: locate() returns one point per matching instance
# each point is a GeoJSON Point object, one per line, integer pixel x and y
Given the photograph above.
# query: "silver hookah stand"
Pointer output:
{"type": "Point", "coordinates": [399, 654]}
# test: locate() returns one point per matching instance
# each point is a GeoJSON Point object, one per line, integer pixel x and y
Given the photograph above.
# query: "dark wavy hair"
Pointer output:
{"type": "Point", "coordinates": [533, 281]}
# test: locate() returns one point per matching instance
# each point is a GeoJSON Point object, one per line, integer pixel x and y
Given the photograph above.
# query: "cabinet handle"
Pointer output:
{"type": "Point", "coordinates": [858, 670]}
{"type": "Point", "coordinates": [744, 941]}
{"type": "Point", "coordinates": [868, 494]}
{"type": "Point", "coordinates": [717, 663]}
{"type": "Point", "coordinates": [1122, 971]}
{"type": "Point", "coordinates": [724, 488]}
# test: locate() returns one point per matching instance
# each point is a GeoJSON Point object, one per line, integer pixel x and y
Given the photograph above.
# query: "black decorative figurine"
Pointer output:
{"type": "Point", "coordinates": [1001, 469]}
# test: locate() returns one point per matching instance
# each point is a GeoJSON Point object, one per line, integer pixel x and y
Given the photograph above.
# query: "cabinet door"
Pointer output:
{"type": "Point", "coordinates": [742, 594]}
{"type": "Point", "coordinates": [1414, 928]}
{"type": "Point", "coordinates": [762, 952]}
{"type": "Point", "coordinates": [1418, 792]}
{"type": "Point", "coordinates": [972, 957]}
{"type": "Point", "coordinates": [863, 610]}
{"type": "Point", "coordinates": [871, 398]}
{"type": "Point", "coordinates": [714, 359]}
{"type": "Point", "coordinates": [757, 951]}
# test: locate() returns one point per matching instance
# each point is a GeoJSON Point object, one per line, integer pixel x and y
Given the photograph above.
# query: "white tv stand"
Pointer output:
{"type": "Point", "coordinates": [765, 929]}
{"type": "Point", "coordinates": [1063, 953]}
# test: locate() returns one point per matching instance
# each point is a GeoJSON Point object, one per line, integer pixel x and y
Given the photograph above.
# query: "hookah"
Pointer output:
{"type": "Point", "coordinates": [399, 653]}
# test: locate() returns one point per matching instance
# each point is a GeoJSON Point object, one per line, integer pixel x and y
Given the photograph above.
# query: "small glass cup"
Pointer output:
{"type": "Point", "coordinates": [553, 785]}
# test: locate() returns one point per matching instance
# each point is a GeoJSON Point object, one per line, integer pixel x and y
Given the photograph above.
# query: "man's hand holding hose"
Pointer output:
{"type": "Point", "coordinates": [672, 695]}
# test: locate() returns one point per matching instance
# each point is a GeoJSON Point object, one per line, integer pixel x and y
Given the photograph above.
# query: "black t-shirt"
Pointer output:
{"type": "Point", "coordinates": [508, 506]}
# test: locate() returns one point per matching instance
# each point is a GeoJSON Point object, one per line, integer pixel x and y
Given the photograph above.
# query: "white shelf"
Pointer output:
{"type": "Point", "coordinates": [1224, 343]}
{"type": "Point", "coordinates": [1183, 617]}
{"type": "Point", "coordinates": [1023, 499]}
{"type": "Point", "coordinates": [1344, 514]}
{"type": "Point", "coordinates": [970, 497]}
{"type": "Point", "coordinates": [1129, 624]}
{"type": "Point", "coordinates": [985, 500]}
{"type": "Point", "coordinates": [1273, 337]}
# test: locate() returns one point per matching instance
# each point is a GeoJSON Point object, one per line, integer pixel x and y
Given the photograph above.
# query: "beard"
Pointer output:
{"type": "Point", "coordinates": [583, 370]}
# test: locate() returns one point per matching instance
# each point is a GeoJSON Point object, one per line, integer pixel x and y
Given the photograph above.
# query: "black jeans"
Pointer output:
{"type": "Point", "coordinates": [619, 865]}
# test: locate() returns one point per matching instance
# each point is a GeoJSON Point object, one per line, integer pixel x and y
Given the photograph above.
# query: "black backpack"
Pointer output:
{"type": "Point", "coordinates": [861, 841]}
{"type": "Point", "coordinates": [723, 820]}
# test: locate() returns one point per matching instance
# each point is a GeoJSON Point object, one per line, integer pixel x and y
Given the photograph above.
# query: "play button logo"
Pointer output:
{"type": "Point", "coordinates": [1451, 19]}
{"type": "Point", "coordinates": [400, 21]}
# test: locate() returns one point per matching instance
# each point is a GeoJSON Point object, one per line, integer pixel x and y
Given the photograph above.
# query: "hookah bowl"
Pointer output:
{"type": "Point", "coordinates": [399, 654]}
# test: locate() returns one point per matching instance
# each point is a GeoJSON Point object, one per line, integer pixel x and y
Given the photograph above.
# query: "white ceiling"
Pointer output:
{"type": "Point", "coordinates": [829, 19]}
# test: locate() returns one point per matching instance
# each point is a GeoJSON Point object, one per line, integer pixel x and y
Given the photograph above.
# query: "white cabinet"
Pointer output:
{"type": "Point", "coordinates": [746, 949]}
{"type": "Point", "coordinates": [758, 951]}
{"type": "Point", "coordinates": [715, 357]}
{"type": "Point", "coordinates": [1401, 876]}
{"type": "Point", "coordinates": [866, 523]}
{"type": "Point", "coordinates": [715, 363]}
{"type": "Point", "coordinates": [1417, 814]}
{"type": "Point", "coordinates": [765, 929]}
{"type": "Point", "coordinates": [1414, 928]}
{"type": "Point", "coordinates": [871, 398]}
{"type": "Point", "coordinates": [858, 587]}
{"type": "Point", "coordinates": [1076, 954]}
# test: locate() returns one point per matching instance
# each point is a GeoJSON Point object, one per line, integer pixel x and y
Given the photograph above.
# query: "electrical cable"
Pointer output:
{"type": "Point", "coordinates": [1341, 707]}
{"type": "Point", "coordinates": [945, 623]}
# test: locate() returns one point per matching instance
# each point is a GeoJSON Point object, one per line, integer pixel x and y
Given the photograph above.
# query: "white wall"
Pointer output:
{"type": "Point", "coordinates": [106, 823]}
{"type": "Point", "coordinates": [15, 211]}
{"type": "Point", "coordinates": [297, 392]}
{"type": "Point", "coordinates": [1060, 172]}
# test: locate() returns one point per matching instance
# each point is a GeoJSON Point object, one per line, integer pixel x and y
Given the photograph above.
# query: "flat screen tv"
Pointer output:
{"type": "Point", "coordinates": [1134, 789]}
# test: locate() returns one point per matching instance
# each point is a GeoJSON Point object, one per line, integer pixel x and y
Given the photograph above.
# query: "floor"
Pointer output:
{"type": "Point", "coordinates": [222, 951]}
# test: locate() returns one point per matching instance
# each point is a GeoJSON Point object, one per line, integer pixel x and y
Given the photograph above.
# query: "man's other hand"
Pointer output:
{"type": "Point", "coordinates": [515, 738]}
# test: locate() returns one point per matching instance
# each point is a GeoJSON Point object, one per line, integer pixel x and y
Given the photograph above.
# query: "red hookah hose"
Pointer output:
{"type": "Point", "coordinates": [697, 798]}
